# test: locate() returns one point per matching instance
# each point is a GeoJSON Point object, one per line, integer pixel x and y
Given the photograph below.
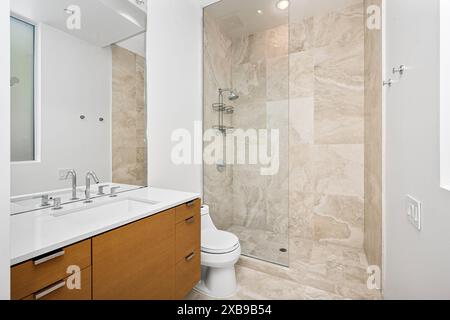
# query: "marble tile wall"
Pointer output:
{"type": "Point", "coordinates": [373, 150]}
{"type": "Point", "coordinates": [217, 186]}
{"type": "Point", "coordinates": [129, 118]}
{"type": "Point", "coordinates": [305, 78]}
{"type": "Point", "coordinates": [326, 117]}
{"type": "Point", "coordinates": [260, 73]}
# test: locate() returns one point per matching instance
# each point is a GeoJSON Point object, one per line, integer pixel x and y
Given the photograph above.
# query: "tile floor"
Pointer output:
{"type": "Point", "coordinates": [262, 244]}
{"type": "Point", "coordinates": [317, 271]}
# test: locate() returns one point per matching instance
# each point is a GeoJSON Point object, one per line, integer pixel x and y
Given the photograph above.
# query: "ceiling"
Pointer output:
{"type": "Point", "coordinates": [237, 17]}
{"type": "Point", "coordinates": [141, 4]}
{"type": "Point", "coordinates": [103, 22]}
{"type": "Point", "coordinates": [135, 44]}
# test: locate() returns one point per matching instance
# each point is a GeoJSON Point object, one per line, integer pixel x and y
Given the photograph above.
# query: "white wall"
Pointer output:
{"type": "Point", "coordinates": [417, 263]}
{"type": "Point", "coordinates": [4, 151]}
{"type": "Point", "coordinates": [75, 79]}
{"type": "Point", "coordinates": [445, 94]}
{"type": "Point", "coordinates": [174, 85]}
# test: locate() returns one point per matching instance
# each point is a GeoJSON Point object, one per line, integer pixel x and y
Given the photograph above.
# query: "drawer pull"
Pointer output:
{"type": "Point", "coordinates": [49, 257]}
{"type": "Point", "coordinates": [46, 292]}
{"type": "Point", "coordinates": [190, 204]}
{"type": "Point", "coordinates": [190, 220]}
{"type": "Point", "coordinates": [190, 257]}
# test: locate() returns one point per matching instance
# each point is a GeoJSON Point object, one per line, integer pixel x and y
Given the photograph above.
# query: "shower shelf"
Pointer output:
{"type": "Point", "coordinates": [223, 107]}
{"type": "Point", "coordinates": [223, 128]}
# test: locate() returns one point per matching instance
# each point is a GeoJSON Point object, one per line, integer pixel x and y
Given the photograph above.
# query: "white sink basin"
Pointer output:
{"type": "Point", "coordinates": [112, 207]}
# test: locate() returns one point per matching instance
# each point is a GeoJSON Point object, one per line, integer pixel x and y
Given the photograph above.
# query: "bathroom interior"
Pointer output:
{"type": "Point", "coordinates": [307, 231]}
{"type": "Point", "coordinates": [101, 92]}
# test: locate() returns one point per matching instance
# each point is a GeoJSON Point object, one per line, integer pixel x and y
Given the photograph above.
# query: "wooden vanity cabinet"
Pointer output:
{"type": "Point", "coordinates": [154, 258]}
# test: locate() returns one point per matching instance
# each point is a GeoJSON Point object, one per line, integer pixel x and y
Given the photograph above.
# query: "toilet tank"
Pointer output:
{"type": "Point", "coordinates": [207, 222]}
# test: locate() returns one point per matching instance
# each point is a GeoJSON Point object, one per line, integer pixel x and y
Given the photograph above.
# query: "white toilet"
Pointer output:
{"type": "Point", "coordinates": [220, 252]}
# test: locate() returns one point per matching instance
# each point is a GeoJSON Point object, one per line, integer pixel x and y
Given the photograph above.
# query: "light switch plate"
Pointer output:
{"type": "Point", "coordinates": [414, 212]}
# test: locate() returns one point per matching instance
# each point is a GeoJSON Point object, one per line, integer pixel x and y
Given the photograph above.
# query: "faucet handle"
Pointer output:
{"type": "Point", "coordinates": [45, 200]}
{"type": "Point", "coordinates": [101, 190]}
{"type": "Point", "coordinates": [57, 203]}
{"type": "Point", "coordinates": [114, 191]}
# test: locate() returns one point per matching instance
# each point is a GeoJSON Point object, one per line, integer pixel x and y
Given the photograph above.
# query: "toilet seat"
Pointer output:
{"type": "Point", "coordinates": [219, 242]}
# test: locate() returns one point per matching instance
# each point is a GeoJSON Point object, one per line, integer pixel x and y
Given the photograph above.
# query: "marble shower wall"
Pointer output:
{"type": "Point", "coordinates": [217, 186]}
{"type": "Point", "coordinates": [326, 129]}
{"type": "Point", "coordinates": [305, 78]}
{"type": "Point", "coordinates": [260, 73]}
{"type": "Point", "coordinates": [373, 142]}
{"type": "Point", "coordinates": [129, 118]}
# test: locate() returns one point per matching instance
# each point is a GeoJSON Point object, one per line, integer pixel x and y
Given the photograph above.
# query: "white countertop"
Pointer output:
{"type": "Point", "coordinates": [39, 232]}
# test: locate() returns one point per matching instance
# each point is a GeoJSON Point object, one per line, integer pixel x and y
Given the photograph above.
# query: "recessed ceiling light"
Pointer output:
{"type": "Point", "coordinates": [260, 12]}
{"type": "Point", "coordinates": [283, 4]}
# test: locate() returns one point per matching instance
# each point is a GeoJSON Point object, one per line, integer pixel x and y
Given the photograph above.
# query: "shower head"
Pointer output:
{"type": "Point", "coordinates": [233, 95]}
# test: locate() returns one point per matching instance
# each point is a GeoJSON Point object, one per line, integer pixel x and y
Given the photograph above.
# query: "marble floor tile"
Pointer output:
{"type": "Point", "coordinates": [317, 271]}
{"type": "Point", "coordinates": [262, 244]}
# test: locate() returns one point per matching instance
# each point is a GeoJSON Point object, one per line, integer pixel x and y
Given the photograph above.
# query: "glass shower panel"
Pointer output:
{"type": "Point", "coordinates": [246, 104]}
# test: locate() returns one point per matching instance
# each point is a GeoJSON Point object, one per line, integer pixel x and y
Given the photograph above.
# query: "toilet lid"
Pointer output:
{"type": "Point", "coordinates": [215, 241]}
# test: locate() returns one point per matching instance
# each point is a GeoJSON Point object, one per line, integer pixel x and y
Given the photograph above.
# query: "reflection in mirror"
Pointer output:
{"type": "Point", "coordinates": [22, 90]}
{"type": "Point", "coordinates": [77, 98]}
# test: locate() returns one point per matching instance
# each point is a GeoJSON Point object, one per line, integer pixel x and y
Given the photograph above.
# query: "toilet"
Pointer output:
{"type": "Point", "coordinates": [220, 250]}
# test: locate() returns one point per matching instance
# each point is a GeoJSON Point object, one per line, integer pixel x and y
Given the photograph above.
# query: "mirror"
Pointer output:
{"type": "Point", "coordinates": [77, 97]}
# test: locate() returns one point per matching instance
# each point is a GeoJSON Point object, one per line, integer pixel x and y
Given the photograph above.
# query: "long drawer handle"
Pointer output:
{"type": "Point", "coordinates": [190, 204]}
{"type": "Point", "coordinates": [46, 292]}
{"type": "Point", "coordinates": [49, 257]}
{"type": "Point", "coordinates": [190, 220]}
{"type": "Point", "coordinates": [190, 257]}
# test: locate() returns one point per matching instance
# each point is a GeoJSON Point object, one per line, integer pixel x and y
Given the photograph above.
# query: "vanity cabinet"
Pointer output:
{"type": "Point", "coordinates": [45, 273]}
{"type": "Point", "coordinates": [154, 258]}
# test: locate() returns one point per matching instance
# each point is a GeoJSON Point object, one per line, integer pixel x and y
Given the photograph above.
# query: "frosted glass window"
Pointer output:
{"type": "Point", "coordinates": [22, 91]}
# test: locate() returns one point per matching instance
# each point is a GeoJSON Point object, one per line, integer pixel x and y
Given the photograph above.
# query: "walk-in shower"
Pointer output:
{"type": "Point", "coordinates": [298, 69]}
{"type": "Point", "coordinates": [246, 53]}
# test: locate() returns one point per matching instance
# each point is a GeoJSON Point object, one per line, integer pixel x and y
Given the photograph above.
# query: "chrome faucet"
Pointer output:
{"type": "Point", "coordinates": [72, 173]}
{"type": "Point", "coordinates": [89, 175]}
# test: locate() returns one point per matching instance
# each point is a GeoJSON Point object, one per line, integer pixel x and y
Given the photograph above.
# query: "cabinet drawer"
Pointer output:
{"type": "Point", "coordinates": [187, 210]}
{"type": "Point", "coordinates": [187, 274]}
{"type": "Point", "coordinates": [41, 272]}
{"type": "Point", "coordinates": [60, 291]}
{"type": "Point", "coordinates": [187, 236]}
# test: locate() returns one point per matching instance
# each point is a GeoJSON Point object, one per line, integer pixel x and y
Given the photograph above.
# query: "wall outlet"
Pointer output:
{"type": "Point", "coordinates": [62, 174]}
{"type": "Point", "coordinates": [414, 212]}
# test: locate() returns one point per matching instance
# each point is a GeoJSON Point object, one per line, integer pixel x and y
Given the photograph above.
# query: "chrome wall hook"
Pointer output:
{"type": "Point", "coordinates": [389, 83]}
{"type": "Point", "coordinates": [400, 70]}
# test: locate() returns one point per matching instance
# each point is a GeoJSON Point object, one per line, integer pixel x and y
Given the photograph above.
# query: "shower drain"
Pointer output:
{"type": "Point", "coordinates": [283, 250]}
